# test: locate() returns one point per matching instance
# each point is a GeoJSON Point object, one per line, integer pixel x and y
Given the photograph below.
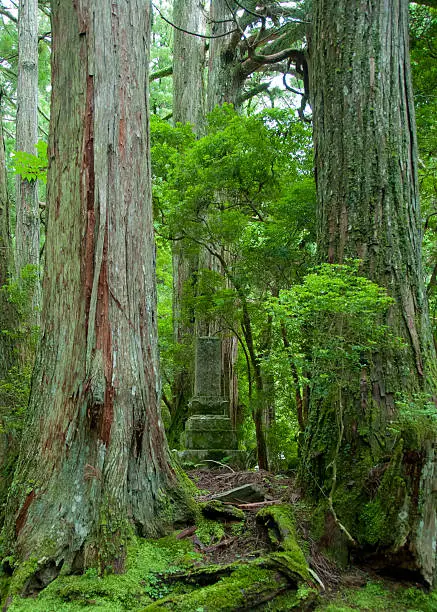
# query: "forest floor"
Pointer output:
{"type": "Point", "coordinates": [230, 556]}
{"type": "Point", "coordinates": [355, 587]}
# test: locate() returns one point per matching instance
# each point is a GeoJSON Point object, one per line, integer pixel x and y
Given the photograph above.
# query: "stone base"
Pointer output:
{"type": "Point", "coordinates": [209, 432]}
{"type": "Point", "coordinates": [234, 458]}
{"type": "Point", "coordinates": [202, 404]}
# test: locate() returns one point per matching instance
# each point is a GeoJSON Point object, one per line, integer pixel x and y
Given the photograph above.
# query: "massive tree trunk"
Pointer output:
{"type": "Point", "coordinates": [94, 463]}
{"type": "Point", "coordinates": [381, 484]}
{"type": "Point", "coordinates": [27, 209]}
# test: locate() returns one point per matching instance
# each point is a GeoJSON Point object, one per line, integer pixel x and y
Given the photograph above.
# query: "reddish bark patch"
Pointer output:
{"type": "Point", "coordinates": [104, 342]}
{"type": "Point", "coordinates": [22, 516]}
{"type": "Point", "coordinates": [87, 195]}
{"type": "Point", "coordinates": [57, 205]}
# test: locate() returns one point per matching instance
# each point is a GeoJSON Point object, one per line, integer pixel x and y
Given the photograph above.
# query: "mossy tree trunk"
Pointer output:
{"type": "Point", "coordinates": [94, 463]}
{"type": "Point", "coordinates": [382, 484]}
{"type": "Point", "coordinates": [27, 207]}
{"type": "Point", "coordinates": [8, 352]}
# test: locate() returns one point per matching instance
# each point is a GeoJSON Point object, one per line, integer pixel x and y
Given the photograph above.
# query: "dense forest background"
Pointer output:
{"type": "Point", "coordinates": [246, 172]}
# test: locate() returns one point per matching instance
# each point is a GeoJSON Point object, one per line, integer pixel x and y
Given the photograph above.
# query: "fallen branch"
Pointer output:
{"type": "Point", "coordinates": [186, 532]}
{"type": "Point", "coordinates": [221, 544]}
{"type": "Point", "coordinates": [256, 505]}
{"type": "Point", "coordinates": [219, 463]}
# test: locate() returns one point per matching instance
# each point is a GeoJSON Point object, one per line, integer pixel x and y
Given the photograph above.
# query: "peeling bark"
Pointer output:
{"type": "Point", "coordinates": [94, 463]}
{"type": "Point", "coordinates": [366, 174]}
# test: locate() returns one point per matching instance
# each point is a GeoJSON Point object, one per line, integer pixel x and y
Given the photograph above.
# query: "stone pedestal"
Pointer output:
{"type": "Point", "coordinates": [209, 434]}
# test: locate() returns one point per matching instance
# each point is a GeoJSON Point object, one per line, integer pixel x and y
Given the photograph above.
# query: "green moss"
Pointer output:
{"type": "Point", "coordinates": [21, 575]}
{"type": "Point", "coordinates": [416, 421]}
{"type": "Point", "coordinates": [384, 519]}
{"type": "Point", "coordinates": [301, 600]}
{"type": "Point", "coordinates": [209, 531]}
{"type": "Point", "coordinates": [184, 480]}
{"type": "Point", "coordinates": [370, 500]}
{"type": "Point", "coordinates": [281, 526]}
{"type": "Point", "coordinates": [245, 584]}
{"type": "Point", "coordinates": [373, 519]}
{"type": "Point", "coordinates": [178, 504]}
{"type": "Point", "coordinates": [147, 564]}
{"type": "Point", "coordinates": [220, 510]}
{"type": "Point", "coordinates": [5, 582]}
{"type": "Point", "coordinates": [377, 596]}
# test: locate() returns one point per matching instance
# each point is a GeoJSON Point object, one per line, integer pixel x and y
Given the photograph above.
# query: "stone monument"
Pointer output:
{"type": "Point", "coordinates": [209, 434]}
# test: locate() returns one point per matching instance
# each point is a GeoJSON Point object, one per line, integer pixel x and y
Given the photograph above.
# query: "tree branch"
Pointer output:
{"type": "Point", "coordinates": [9, 15]}
{"type": "Point", "coordinates": [187, 31]}
{"type": "Point", "coordinates": [160, 74]}
{"type": "Point", "coordinates": [254, 91]}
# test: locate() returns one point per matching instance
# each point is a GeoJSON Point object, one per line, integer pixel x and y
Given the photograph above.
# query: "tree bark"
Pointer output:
{"type": "Point", "coordinates": [8, 323]}
{"type": "Point", "coordinates": [366, 174]}
{"type": "Point", "coordinates": [189, 63]}
{"type": "Point", "coordinates": [94, 463]}
{"type": "Point", "coordinates": [225, 77]}
{"type": "Point", "coordinates": [27, 207]}
{"type": "Point", "coordinates": [7, 357]}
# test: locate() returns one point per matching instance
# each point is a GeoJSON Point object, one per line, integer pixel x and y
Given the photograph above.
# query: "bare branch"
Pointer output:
{"type": "Point", "coordinates": [9, 15]}
{"type": "Point", "coordinates": [191, 33]}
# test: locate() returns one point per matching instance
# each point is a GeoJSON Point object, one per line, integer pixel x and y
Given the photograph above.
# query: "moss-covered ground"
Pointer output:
{"type": "Point", "coordinates": [240, 561]}
{"type": "Point", "coordinates": [377, 596]}
{"type": "Point", "coordinates": [148, 563]}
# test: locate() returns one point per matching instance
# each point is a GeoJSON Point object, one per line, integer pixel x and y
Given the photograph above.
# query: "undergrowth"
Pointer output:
{"type": "Point", "coordinates": [149, 562]}
{"type": "Point", "coordinates": [378, 596]}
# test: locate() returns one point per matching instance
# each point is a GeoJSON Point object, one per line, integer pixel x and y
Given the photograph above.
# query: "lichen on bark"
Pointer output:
{"type": "Point", "coordinates": [366, 175]}
{"type": "Point", "coordinates": [94, 464]}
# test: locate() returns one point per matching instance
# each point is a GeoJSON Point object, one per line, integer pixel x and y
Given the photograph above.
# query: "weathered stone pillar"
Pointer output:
{"type": "Point", "coordinates": [209, 434]}
{"type": "Point", "coordinates": [208, 365]}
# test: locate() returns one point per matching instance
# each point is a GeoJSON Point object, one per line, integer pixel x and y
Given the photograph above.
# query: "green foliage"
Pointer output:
{"type": "Point", "coordinates": [19, 292]}
{"type": "Point", "coordinates": [416, 419]}
{"type": "Point", "coordinates": [334, 324]}
{"type": "Point", "coordinates": [239, 203]}
{"type": "Point", "coordinates": [209, 532]}
{"type": "Point", "coordinates": [378, 596]}
{"type": "Point", "coordinates": [161, 57]}
{"type": "Point", "coordinates": [423, 45]}
{"type": "Point", "coordinates": [282, 441]}
{"type": "Point", "coordinates": [14, 395]}
{"type": "Point", "coordinates": [32, 167]}
{"type": "Point", "coordinates": [148, 563]}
